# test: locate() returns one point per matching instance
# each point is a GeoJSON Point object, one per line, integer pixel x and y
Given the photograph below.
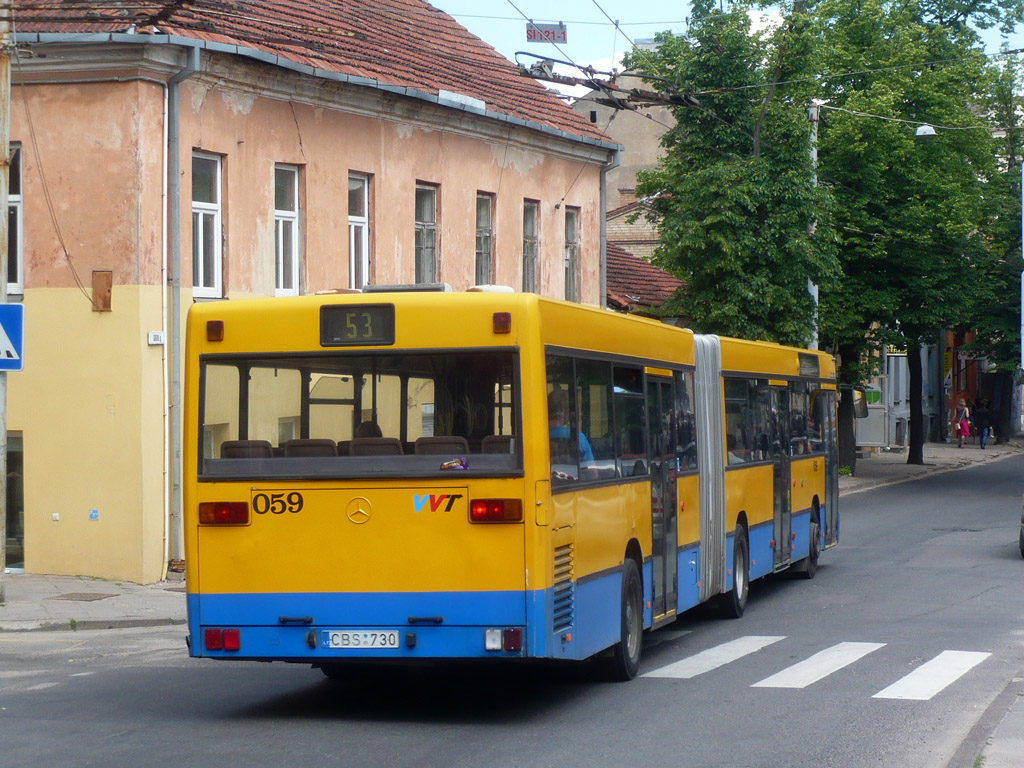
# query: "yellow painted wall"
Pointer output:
{"type": "Point", "coordinates": [89, 405]}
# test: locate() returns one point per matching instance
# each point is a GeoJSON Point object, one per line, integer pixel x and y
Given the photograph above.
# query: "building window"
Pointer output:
{"type": "Point", "coordinates": [286, 230]}
{"type": "Point", "coordinates": [531, 226]}
{"type": "Point", "coordinates": [572, 254]}
{"type": "Point", "coordinates": [358, 230]}
{"type": "Point", "coordinates": [15, 252]}
{"type": "Point", "coordinates": [484, 234]}
{"type": "Point", "coordinates": [206, 226]}
{"type": "Point", "coordinates": [426, 234]}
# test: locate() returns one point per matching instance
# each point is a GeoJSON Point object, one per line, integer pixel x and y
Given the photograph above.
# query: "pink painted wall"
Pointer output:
{"type": "Point", "coordinates": [252, 133]}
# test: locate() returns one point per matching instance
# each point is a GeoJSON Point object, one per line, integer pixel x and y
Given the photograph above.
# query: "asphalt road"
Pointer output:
{"type": "Point", "coordinates": [921, 599]}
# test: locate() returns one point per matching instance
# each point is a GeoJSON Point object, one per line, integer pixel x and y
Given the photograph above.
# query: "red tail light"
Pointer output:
{"type": "Point", "coordinates": [232, 640]}
{"type": "Point", "coordinates": [512, 639]}
{"type": "Point", "coordinates": [496, 510]}
{"type": "Point", "coordinates": [224, 513]}
{"type": "Point", "coordinates": [216, 639]}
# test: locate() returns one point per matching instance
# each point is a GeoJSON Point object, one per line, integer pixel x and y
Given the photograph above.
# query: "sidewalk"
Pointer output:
{"type": "Point", "coordinates": [887, 467]}
{"type": "Point", "coordinates": [79, 602]}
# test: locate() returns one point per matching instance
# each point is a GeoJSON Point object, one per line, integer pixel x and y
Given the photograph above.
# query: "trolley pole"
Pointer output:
{"type": "Point", "coordinates": [5, 152]}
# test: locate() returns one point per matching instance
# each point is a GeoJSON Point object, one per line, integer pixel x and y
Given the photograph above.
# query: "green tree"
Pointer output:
{"type": "Point", "coordinates": [994, 310]}
{"type": "Point", "coordinates": [909, 210]}
{"type": "Point", "coordinates": [734, 196]}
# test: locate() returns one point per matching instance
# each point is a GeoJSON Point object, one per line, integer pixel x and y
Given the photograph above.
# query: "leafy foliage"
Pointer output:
{"type": "Point", "coordinates": [734, 197]}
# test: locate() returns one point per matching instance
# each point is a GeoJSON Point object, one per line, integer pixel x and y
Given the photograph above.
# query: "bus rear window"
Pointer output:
{"type": "Point", "coordinates": [343, 415]}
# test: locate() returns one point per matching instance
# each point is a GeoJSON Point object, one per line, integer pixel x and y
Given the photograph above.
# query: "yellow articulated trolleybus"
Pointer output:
{"type": "Point", "coordinates": [415, 475]}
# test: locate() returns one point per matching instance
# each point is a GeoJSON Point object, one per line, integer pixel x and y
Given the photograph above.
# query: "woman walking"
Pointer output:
{"type": "Point", "coordinates": [961, 423]}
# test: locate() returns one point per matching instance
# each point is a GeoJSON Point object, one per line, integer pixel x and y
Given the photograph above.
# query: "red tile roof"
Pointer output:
{"type": "Point", "coordinates": [635, 284]}
{"type": "Point", "coordinates": [399, 43]}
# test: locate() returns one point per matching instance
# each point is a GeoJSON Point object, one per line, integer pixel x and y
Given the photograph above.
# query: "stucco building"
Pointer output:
{"type": "Point", "coordinates": [166, 154]}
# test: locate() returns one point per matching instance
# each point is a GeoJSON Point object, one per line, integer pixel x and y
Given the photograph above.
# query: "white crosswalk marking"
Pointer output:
{"type": "Point", "coordinates": [712, 658]}
{"type": "Point", "coordinates": [931, 677]}
{"type": "Point", "coordinates": [819, 665]}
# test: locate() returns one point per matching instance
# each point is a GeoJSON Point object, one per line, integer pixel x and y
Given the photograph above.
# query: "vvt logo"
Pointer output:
{"type": "Point", "coordinates": [435, 500]}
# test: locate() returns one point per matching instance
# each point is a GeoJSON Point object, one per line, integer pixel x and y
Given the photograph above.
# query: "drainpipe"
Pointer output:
{"type": "Point", "coordinates": [611, 165]}
{"type": "Point", "coordinates": [174, 337]}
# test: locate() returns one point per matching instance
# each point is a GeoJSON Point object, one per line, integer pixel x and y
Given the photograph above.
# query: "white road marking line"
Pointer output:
{"type": "Point", "coordinates": [931, 677]}
{"type": "Point", "coordinates": [712, 658]}
{"type": "Point", "coordinates": [821, 664]}
{"type": "Point", "coordinates": [40, 687]}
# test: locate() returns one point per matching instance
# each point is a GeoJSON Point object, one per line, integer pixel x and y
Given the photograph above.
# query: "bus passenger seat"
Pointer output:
{"type": "Point", "coordinates": [246, 449]}
{"type": "Point", "coordinates": [375, 446]}
{"type": "Point", "coordinates": [497, 444]}
{"type": "Point", "coordinates": [448, 444]}
{"type": "Point", "coordinates": [310, 447]}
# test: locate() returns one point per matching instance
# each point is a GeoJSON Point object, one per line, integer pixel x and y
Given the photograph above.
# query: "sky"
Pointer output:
{"type": "Point", "coordinates": [592, 37]}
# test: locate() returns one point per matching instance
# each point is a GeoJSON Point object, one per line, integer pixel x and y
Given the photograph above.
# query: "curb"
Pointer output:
{"type": "Point", "coordinates": [869, 485]}
{"type": "Point", "coordinates": [75, 625]}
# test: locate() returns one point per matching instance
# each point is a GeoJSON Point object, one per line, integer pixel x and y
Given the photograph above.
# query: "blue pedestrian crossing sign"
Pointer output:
{"type": "Point", "coordinates": [12, 336]}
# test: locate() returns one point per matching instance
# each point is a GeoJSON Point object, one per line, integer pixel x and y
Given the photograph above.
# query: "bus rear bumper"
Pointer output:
{"type": "Point", "coordinates": [316, 628]}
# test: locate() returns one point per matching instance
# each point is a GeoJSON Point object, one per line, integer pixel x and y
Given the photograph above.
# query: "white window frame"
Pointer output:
{"type": "Point", "coordinates": [572, 254]}
{"type": "Point", "coordinates": [212, 288]}
{"type": "Point", "coordinates": [531, 247]}
{"type": "Point", "coordinates": [281, 220]}
{"type": "Point", "coordinates": [16, 244]}
{"type": "Point", "coordinates": [359, 236]}
{"type": "Point", "coordinates": [484, 263]}
{"type": "Point", "coordinates": [423, 228]}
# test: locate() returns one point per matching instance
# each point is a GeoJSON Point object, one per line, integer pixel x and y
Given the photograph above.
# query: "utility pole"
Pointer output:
{"type": "Point", "coordinates": [5, 159]}
{"type": "Point", "coordinates": [812, 115]}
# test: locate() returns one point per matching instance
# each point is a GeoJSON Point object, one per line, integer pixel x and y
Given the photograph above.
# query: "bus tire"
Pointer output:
{"type": "Point", "coordinates": [734, 602]}
{"type": "Point", "coordinates": [625, 660]}
{"type": "Point", "coordinates": [806, 568]}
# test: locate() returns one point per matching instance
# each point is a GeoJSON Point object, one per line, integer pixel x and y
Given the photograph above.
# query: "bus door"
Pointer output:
{"type": "Point", "coordinates": [661, 431]}
{"type": "Point", "coordinates": [779, 415]}
{"type": "Point", "coordinates": [830, 524]}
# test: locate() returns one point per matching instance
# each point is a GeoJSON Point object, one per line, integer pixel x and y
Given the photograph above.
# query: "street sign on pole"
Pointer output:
{"type": "Point", "coordinates": [12, 337]}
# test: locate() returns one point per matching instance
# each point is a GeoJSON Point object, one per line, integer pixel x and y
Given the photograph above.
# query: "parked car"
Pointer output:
{"type": "Point", "coordinates": [1021, 538]}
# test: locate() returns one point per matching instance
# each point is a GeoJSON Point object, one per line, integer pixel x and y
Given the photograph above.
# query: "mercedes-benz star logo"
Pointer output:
{"type": "Point", "coordinates": [359, 510]}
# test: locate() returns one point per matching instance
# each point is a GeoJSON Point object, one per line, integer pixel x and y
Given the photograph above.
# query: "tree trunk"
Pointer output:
{"type": "Point", "coordinates": [847, 436]}
{"type": "Point", "coordinates": [1004, 397]}
{"type": "Point", "coordinates": [915, 451]}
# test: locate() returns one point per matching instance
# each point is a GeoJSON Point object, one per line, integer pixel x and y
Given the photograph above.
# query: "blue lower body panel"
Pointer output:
{"type": "Point", "coordinates": [295, 626]}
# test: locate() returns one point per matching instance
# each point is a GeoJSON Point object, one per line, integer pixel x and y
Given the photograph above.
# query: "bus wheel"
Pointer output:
{"type": "Point", "coordinates": [733, 603]}
{"type": "Point", "coordinates": [626, 655]}
{"type": "Point", "coordinates": [807, 567]}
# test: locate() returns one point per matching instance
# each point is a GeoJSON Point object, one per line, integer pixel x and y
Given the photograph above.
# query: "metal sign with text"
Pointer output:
{"type": "Point", "coordinates": [545, 33]}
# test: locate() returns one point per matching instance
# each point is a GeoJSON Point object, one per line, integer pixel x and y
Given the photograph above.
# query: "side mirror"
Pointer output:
{"type": "Point", "coordinates": [860, 403]}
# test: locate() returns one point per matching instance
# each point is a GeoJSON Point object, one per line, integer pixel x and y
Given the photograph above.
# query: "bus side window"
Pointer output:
{"type": "Point", "coordinates": [628, 394]}
{"type": "Point", "coordinates": [594, 396]}
{"type": "Point", "coordinates": [562, 432]}
{"type": "Point", "coordinates": [686, 432]}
